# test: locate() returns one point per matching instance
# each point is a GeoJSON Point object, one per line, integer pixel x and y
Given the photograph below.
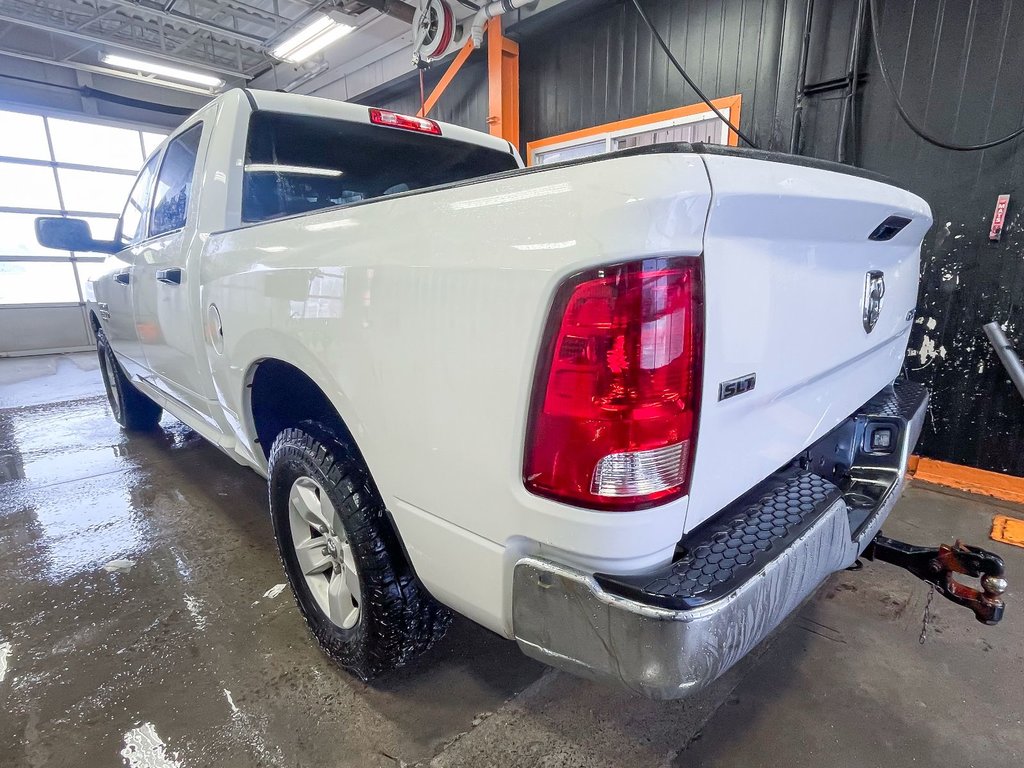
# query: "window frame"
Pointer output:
{"type": "Point", "coordinates": [73, 258]}
{"type": "Point", "coordinates": [729, 106]}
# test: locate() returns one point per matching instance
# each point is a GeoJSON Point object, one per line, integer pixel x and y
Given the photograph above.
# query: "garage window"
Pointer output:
{"type": "Point", "coordinates": [58, 166]}
{"type": "Point", "coordinates": [693, 123]}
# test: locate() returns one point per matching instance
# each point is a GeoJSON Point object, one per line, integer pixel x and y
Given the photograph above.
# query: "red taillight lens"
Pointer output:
{"type": "Point", "coordinates": [406, 122]}
{"type": "Point", "coordinates": [615, 402]}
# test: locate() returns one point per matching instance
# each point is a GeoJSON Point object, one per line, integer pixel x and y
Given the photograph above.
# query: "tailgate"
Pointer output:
{"type": "Point", "coordinates": [787, 256]}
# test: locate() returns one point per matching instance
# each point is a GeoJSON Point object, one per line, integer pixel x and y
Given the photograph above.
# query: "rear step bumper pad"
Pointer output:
{"type": "Point", "coordinates": [670, 633]}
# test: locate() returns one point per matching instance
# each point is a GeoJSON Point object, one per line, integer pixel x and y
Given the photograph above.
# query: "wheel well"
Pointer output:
{"type": "Point", "coordinates": [281, 396]}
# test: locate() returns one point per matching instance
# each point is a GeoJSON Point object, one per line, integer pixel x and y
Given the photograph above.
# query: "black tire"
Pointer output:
{"type": "Point", "coordinates": [132, 409]}
{"type": "Point", "coordinates": [398, 619]}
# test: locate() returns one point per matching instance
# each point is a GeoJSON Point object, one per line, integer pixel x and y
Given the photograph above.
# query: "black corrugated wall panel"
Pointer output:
{"type": "Point", "coordinates": [961, 67]}
{"type": "Point", "coordinates": [605, 66]}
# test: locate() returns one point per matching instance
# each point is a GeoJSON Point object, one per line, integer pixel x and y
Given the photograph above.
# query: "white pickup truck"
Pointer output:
{"type": "Point", "coordinates": [629, 411]}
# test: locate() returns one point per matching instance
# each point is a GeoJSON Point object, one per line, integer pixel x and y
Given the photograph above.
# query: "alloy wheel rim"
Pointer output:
{"type": "Point", "coordinates": [323, 552]}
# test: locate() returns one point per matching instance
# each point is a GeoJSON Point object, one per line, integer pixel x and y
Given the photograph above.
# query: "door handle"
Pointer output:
{"type": "Point", "coordinates": [123, 277]}
{"type": "Point", "coordinates": [170, 276]}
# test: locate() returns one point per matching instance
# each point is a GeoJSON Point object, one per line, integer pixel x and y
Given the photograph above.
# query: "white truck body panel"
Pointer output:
{"type": "Point", "coordinates": [420, 316]}
{"type": "Point", "coordinates": [377, 315]}
{"type": "Point", "coordinates": [786, 253]}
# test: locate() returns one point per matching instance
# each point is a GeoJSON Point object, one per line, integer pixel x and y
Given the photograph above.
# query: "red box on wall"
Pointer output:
{"type": "Point", "coordinates": [999, 217]}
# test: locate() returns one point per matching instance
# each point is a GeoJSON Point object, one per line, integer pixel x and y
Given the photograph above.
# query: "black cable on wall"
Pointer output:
{"type": "Point", "coordinates": [884, 71]}
{"type": "Point", "coordinates": [686, 77]}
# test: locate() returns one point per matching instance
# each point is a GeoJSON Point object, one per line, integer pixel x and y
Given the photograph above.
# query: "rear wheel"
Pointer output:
{"type": "Point", "coordinates": [344, 562]}
{"type": "Point", "coordinates": [132, 409]}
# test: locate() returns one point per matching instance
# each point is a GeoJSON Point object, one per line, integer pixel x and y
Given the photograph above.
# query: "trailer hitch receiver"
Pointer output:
{"type": "Point", "coordinates": [937, 566]}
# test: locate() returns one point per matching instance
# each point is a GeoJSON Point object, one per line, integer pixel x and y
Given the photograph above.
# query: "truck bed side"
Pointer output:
{"type": "Point", "coordinates": [420, 316]}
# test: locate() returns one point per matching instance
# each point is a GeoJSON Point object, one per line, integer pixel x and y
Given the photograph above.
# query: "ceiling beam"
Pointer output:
{"type": "Point", "coordinates": [187, 20]}
{"type": "Point", "coordinates": [247, 12]}
{"type": "Point", "coordinates": [107, 72]}
{"type": "Point", "coordinates": [125, 45]}
{"type": "Point", "coordinates": [97, 17]}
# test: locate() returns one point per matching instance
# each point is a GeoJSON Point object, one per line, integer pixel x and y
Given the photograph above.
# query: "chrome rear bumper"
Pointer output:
{"type": "Point", "coordinates": [620, 630]}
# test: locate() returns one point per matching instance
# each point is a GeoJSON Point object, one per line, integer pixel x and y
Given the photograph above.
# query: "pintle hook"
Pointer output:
{"type": "Point", "coordinates": [937, 566]}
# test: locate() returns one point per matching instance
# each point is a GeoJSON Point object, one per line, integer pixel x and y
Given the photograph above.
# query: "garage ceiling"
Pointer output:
{"type": "Point", "coordinates": [228, 39]}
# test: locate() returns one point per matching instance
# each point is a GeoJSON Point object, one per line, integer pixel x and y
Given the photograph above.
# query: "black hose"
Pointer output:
{"type": "Point", "coordinates": [686, 77]}
{"type": "Point", "coordinates": [801, 81]}
{"type": "Point", "coordinates": [903, 112]}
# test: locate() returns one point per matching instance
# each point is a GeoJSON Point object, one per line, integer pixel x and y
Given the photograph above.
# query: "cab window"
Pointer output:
{"type": "Point", "coordinates": [132, 226]}
{"type": "Point", "coordinates": [298, 163]}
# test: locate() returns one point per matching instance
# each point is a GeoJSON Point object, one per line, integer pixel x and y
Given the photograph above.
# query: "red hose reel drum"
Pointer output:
{"type": "Point", "coordinates": [435, 28]}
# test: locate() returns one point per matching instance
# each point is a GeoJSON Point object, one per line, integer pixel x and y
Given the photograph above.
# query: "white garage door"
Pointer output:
{"type": "Point", "coordinates": [57, 166]}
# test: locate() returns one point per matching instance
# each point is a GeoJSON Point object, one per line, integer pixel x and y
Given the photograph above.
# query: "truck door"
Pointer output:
{"type": "Point", "coordinates": [166, 294]}
{"type": "Point", "coordinates": [114, 289]}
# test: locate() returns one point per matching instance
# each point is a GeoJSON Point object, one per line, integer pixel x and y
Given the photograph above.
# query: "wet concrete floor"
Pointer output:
{"type": "Point", "coordinates": [189, 658]}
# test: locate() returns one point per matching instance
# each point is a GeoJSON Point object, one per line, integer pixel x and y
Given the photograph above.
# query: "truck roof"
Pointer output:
{"type": "Point", "coordinates": [301, 104]}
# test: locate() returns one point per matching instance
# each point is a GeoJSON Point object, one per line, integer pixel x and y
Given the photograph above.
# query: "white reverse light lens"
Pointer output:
{"type": "Point", "coordinates": [310, 39]}
{"type": "Point", "coordinates": [640, 472]}
{"type": "Point", "coordinates": [153, 68]}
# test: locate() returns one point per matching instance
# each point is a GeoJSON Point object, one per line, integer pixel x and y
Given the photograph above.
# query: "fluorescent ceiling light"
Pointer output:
{"type": "Point", "coordinates": [300, 170]}
{"type": "Point", "coordinates": [310, 39]}
{"type": "Point", "coordinates": [150, 67]}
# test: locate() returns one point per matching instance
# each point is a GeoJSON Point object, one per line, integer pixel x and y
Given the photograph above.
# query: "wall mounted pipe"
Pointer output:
{"type": "Point", "coordinates": [801, 81]}
{"type": "Point", "coordinates": [848, 113]}
{"type": "Point", "coordinates": [1007, 355]}
{"type": "Point", "coordinates": [489, 11]}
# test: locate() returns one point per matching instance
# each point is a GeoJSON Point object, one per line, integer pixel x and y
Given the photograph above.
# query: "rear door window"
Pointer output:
{"type": "Point", "coordinates": [296, 164]}
{"type": "Point", "coordinates": [174, 183]}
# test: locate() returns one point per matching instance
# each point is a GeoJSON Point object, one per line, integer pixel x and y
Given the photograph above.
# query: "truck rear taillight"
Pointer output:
{"type": "Point", "coordinates": [614, 410]}
{"type": "Point", "coordinates": [405, 122]}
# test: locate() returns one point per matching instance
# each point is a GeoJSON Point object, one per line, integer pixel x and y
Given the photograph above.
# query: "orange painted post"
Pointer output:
{"type": "Point", "coordinates": [733, 104]}
{"type": "Point", "coordinates": [494, 105]}
{"type": "Point", "coordinates": [502, 84]}
{"type": "Point", "coordinates": [510, 91]}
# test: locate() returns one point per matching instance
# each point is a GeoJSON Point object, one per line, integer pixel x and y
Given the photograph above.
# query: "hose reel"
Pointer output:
{"type": "Point", "coordinates": [436, 33]}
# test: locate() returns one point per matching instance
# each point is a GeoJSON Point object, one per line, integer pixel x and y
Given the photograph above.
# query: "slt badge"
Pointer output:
{"type": "Point", "coordinates": [874, 290]}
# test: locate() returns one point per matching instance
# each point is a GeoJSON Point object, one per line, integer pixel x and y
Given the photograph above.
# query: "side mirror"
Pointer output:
{"type": "Point", "coordinates": [70, 235]}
